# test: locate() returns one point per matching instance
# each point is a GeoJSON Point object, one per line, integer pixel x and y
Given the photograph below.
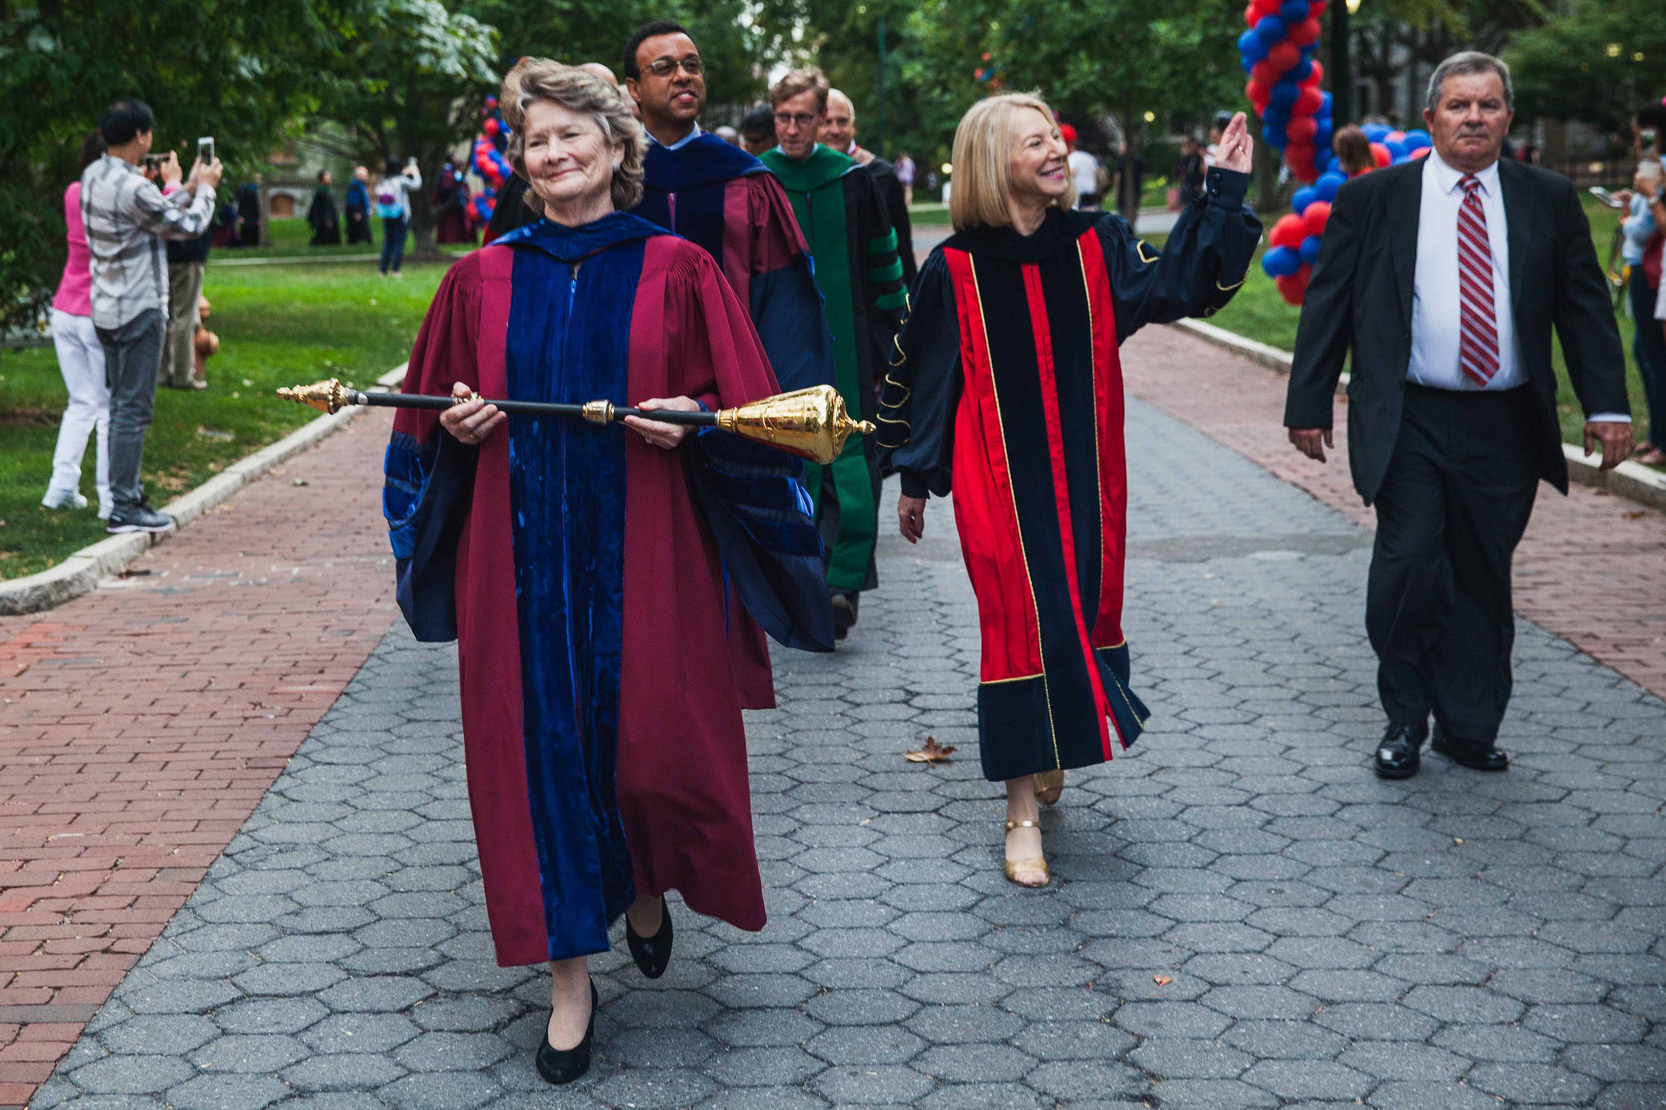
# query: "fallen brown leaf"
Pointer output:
{"type": "Point", "coordinates": [1161, 980]}
{"type": "Point", "coordinates": [1634, 514]}
{"type": "Point", "coordinates": [931, 752]}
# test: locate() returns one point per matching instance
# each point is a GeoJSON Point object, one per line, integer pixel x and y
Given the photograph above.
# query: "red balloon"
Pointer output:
{"type": "Point", "coordinates": [1308, 102]}
{"type": "Point", "coordinates": [1257, 95]}
{"type": "Point", "coordinates": [492, 127]}
{"type": "Point", "coordinates": [1251, 16]}
{"type": "Point", "coordinates": [1315, 9]}
{"type": "Point", "coordinates": [1267, 7]}
{"type": "Point", "coordinates": [1293, 287]}
{"type": "Point", "coordinates": [1421, 152]}
{"type": "Point", "coordinates": [1288, 232]}
{"type": "Point", "coordinates": [1284, 56]}
{"type": "Point", "coordinates": [1395, 137]}
{"type": "Point", "coordinates": [1263, 73]}
{"type": "Point", "coordinates": [1318, 73]}
{"type": "Point", "coordinates": [1381, 154]}
{"type": "Point", "coordinates": [1302, 130]}
{"type": "Point", "coordinates": [1305, 33]}
{"type": "Point", "coordinates": [1315, 216]}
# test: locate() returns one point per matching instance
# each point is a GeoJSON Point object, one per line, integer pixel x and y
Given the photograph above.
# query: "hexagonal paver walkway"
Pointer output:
{"type": "Point", "coordinates": [1241, 916]}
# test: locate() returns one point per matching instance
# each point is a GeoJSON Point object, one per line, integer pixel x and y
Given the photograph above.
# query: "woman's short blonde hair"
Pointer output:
{"type": "Point", "coordinates": [982, 160]}
{"type": "Point", "coordinates": [573, 88]}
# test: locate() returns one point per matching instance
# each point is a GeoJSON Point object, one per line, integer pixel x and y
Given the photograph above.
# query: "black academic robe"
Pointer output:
{"type": "Point", "coordinates": [1006, 389]}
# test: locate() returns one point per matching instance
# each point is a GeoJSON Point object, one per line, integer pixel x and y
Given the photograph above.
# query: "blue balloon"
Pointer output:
{"type": "Point", "coordinates": [1301, 71]}
{"type": "Point", "coordinates": [1324, 104]}
{"type": "Point", "coordinates": [1310, 250]}
{"type": "Point", "coordinates": [1251, 46]}
{"type": "Point", "coordinates": [1417, 140]}
{"type": "Point", "coordinates": [1247, 63]}
{"type": "Point", "coordinates": [1375, 132]}
{"type": "Point", "coordinates": [1293, 11]}
{"type": "Point", "coordinates": [1322, 136]}
{"type": "Point", "coordinates": [1273, 136]}
{"type": "Point", "coordinates": [1328, 183]}
{"type": "Point", "coordinates": [1276, 118]}
{"type": "Point", "coordinates": [1397, 149]}
{"type": "Point", "coordinates": [1333, 164]}
{"type": "Point", "coordinates": [1284, 94]}
{"type": "Point", "coordinates": [1303, 197]}
{"type": "Point", "coordinates": [1280, 262]}
{"type": "Point", "coordinates": [1270, 30]}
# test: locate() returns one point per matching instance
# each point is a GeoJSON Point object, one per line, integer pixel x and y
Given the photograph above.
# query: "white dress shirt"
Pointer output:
{"type": "Point", "coordinates": [1436, 305]}
{"type": "Point", "coordinates": [1437, 308]}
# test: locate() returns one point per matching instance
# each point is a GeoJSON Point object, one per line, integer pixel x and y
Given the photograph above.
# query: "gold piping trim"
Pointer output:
{"type": "Point", "coordinates": [1142, 248]}
{"type": "Point", "coordinates": [888, 420]}
{"type": "Point", "coordinates": [1234, 285]}
{"type": "Point", "coordinates": [1006, 460]}
{"type": "Point", "coordinates": [1004, 681]}
{"type": "Point", "coordinates": [906, 392]}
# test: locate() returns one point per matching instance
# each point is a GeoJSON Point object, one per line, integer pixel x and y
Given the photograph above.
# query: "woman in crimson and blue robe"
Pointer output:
{"type": "Point", "coordinates": [605, 586]}
{"type": "Point", "coordinates": [1006, 389]}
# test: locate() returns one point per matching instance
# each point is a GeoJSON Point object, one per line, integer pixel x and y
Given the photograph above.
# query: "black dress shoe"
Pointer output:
{"type": "Point", "coordinates": [563, 1065]}
{"type": "Point", "coordinates": [651, 954]}
{"type": "Point", "coordinates": [1397, 755]}
{"type": "Point", "coordinates": [844, 616]}
{"type": "Point", "coordinates": [1480, 755]}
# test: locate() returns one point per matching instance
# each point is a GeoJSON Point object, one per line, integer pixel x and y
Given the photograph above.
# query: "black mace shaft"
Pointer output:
{"type": "Point", "coordinates": [599, 413]}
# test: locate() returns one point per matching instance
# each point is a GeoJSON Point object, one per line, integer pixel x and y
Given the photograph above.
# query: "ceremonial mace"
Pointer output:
{"type": "Point", "coordinates": [810, 423]}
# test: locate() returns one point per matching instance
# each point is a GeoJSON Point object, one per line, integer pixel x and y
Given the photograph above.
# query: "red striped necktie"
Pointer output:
{"type": "Point", "coordinates": [1478, 335]}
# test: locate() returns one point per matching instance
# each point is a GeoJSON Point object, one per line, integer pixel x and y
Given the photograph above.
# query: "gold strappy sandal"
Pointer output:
{"type": "Point", "coordinates": [1049, 782]}
{"type": "Point", "coordinates": [1014, 866]}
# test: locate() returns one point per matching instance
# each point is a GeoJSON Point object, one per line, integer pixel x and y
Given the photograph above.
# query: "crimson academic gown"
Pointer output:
{"type": "Point", "coordinates": [582, 572]}
{"type": "Point", "coordinates": [1007, 390]}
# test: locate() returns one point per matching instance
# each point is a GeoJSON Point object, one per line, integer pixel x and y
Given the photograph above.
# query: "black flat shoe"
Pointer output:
{"type": "Point", "coordinates": [844, 617]}
{"type": "Point", "coordinates": [651, 954]}
{"type": "Point", "coordinates": [563, 1065]}
{"type": "Point", "coordinates": [1397, 755]}
{"type": "Point", "coordinates": [1475, 754]}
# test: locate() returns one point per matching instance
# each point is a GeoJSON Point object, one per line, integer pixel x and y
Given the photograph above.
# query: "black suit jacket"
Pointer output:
{"type": "Point", "coordinates": [1360, 299]}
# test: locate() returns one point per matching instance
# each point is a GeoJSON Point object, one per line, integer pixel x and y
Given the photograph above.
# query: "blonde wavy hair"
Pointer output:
{"type": "Point", "coordinates": [982, 161]}
{"type": "Point", "coordinates": [575, 89]}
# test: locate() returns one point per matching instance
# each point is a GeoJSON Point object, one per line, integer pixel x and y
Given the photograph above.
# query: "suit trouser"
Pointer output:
{"type": "Point", "coordinates": [1453, 505]}
{"type": "Point", "coordinates": [179, 356]}
{"type": "Point", "coordinates": [132, 360]}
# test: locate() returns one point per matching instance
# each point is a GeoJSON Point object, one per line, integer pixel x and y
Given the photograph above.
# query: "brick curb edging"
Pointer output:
{"type": "Point", "coordinates": [1629, 480]}
{"type": "Point", "coordinates": [81, 572]}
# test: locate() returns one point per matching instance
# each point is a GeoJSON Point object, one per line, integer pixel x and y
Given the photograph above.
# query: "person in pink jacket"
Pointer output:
{"type": "Point", "coordinates": [81, 361]}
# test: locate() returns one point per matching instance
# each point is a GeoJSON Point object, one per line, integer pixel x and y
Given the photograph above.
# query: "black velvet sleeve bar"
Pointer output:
{"type": "Point", "coordinates": [1206, 258]}
{"type": "Point", "coordinates": [921, 388]}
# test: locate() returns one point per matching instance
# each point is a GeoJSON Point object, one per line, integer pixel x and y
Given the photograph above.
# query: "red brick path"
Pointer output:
{"type": "Point", "coordinates": [141, 724]}
{"type": "Point", "coordinates": [1592, 567]}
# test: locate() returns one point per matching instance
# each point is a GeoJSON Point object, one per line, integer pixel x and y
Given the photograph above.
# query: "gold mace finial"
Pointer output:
{"type": "Point", "coordinates": [325, 396]}
{"type": "Point", "coordinates": [811, 423]}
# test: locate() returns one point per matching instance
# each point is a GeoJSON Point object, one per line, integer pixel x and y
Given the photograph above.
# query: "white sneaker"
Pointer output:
{"type": "Point", "coordinates": [105, 508]}
{"type": "Point", "coordinates": [63, 499]}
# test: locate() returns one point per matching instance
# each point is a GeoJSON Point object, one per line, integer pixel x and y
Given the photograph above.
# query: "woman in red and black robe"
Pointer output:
{"type": "Point", "coordinates": [1006, 388]}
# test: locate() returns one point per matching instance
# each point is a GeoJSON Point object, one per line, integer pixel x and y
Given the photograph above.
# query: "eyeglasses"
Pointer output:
{"type": "Point", "coordinates": [802, 119]}
{"type": "Point", "coordinates": [665, 67]}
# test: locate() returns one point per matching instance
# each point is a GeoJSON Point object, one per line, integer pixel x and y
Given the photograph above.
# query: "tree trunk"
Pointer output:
{"type": "Point", "coordinates": [1264, 172]}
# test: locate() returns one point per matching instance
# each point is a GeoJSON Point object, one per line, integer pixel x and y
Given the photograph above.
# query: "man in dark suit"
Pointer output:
{"type": "Point", "coordinates": [1443, 277]}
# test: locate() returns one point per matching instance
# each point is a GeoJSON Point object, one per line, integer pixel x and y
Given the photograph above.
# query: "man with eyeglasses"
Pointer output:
{"type": "Point", "coordinates": [844, 219]}
{"type": "Point", "coordinates": [722, 199]}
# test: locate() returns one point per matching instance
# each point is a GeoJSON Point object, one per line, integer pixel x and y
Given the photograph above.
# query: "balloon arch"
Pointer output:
{"type": "Point", "coordinates": [488, 160]}
{"type": "Point", "coordinates": [1284, 79]}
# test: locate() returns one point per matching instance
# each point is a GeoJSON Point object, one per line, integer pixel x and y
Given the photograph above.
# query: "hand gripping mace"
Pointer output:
{"type": "Point", "coordinates": [810, 423]}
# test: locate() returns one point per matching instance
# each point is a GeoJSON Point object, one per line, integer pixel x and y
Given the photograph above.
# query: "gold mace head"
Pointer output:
{"type": "Point", "coordinates": [325, 396]}
{"type": "Point", "coordinates": [811, 423]}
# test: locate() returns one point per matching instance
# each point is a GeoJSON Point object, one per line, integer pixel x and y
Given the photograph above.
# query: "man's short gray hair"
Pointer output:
{"type": "Point", "coordinates": [535, 79]}
{"type": "Point", "coordinates": [1465, 64]}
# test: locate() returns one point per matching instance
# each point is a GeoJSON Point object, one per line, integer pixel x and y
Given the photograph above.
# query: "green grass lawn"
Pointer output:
{"type": "Point", "coordinates": [289, 238]}
{"type": "Point", "coordinates": [1259, 313]}
{"type": "Point", "coordinates": [277, 325]}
